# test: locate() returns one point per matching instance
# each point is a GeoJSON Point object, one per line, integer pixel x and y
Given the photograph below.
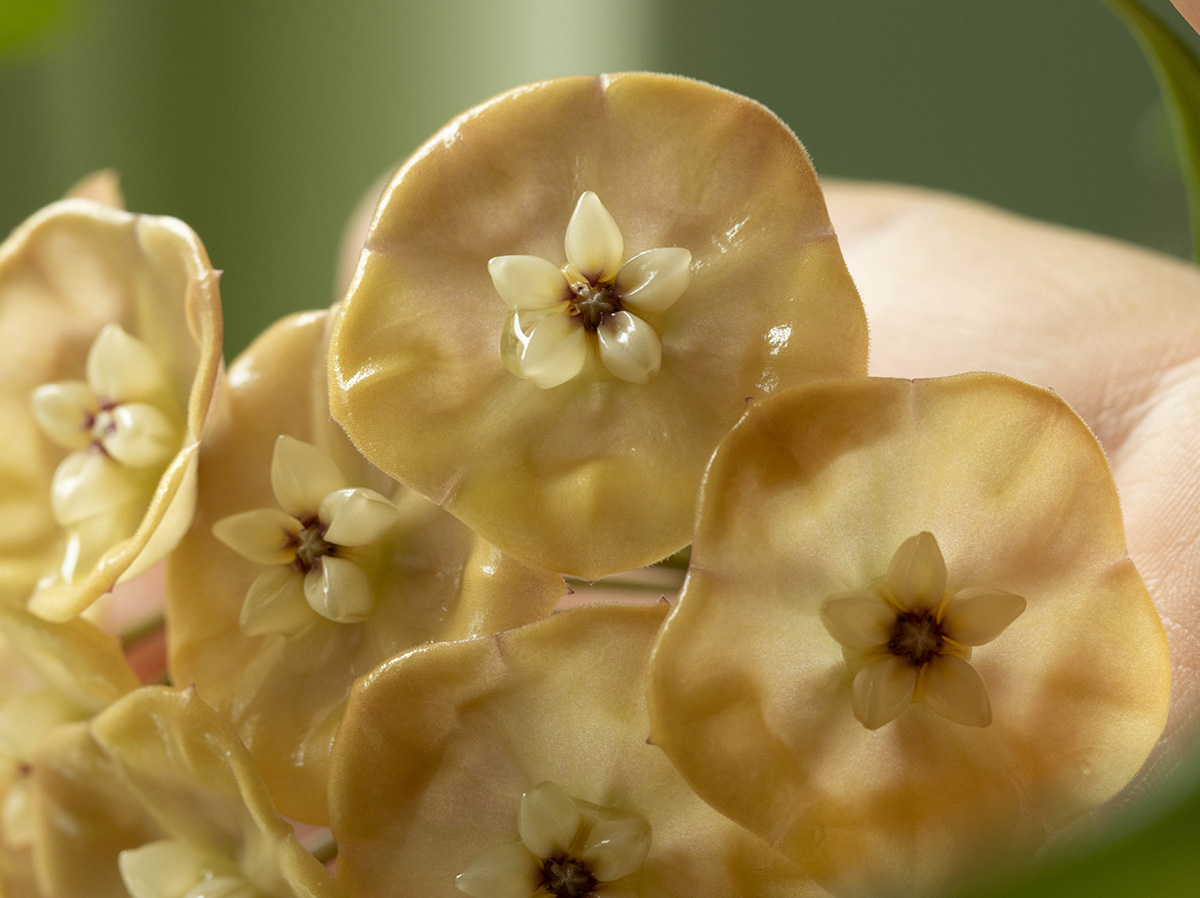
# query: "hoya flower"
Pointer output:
{"type": "Point", "coordinates": [517, 766]}
{"type": "Point", "coordinates": [567, 297]}
{"type": "Point", "coordinates": [113, 330]}
{"type": "Point", "coordinates": [944, 295]}
{"type": "Point", "coordinates": [890, 717]}
{"type": "Point", "coordinates": [156, 798]}
{"type": "Point", "coordinates": [307, 567]}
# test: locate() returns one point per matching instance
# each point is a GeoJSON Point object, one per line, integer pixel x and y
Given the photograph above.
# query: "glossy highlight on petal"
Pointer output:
{"type": "Point", "coordinates": [629, 348]}
{"type": "Point", "coordinates": [593, 244]}
{"type": "Point", "coordinates": [356, 517]}
{"type": "Point", "coordinates": [548, 820]}
{"type": "Point", "coordinates": [652, 281]}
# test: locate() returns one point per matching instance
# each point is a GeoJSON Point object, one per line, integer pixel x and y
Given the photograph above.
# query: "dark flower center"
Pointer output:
{"type": "Point", "coordinates": [593, 303]}
{"type": "Point", "coordinates": [916, 636]}
{"type": "Point", "coordinates": [565, 877]}
{"type": "Point", "coordinates": [311, 546]}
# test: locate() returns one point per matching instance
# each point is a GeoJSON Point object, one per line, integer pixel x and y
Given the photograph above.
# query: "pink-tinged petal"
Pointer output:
{"type": "Point", "coordinates": [594, 245]}
{"type": "Point", "coordinates": [978, 614]}
{"type": "Point", "coordinates": [629, 348]}
{"type": "Point", "coordinates": [339, 590]}
{"type": "Point", "coordinates": [507, 870]}
{"type": "Point", "coordinates": [883, 690]}
{"type": "Point", "coordinates": [653, 280]}
{"type": "Point", "coordinates": [858, 619]}
{"type": "Point", "coordinates": [265, 535]}
{"type": "Point", "coordinates": [302, 476]}
{"type": "Point", "coordinates": [63, 412]}
{"type": "Point", "coordinates": [528, 282]}
{"type": "Point", "coordinates": [616, 847]}
{"type": "Point", "coordinates": [356, 517]}
{"type": "Point", "coordinates": [122, 368]}
{"type": "Point", "coordinates": [954, 689]}
{"type": "Point", "coordinates": [548, 820]}
{"type": "Point", "coordinates": [917, 574]}
{"type": "Point", "coordinates": [275, 603]}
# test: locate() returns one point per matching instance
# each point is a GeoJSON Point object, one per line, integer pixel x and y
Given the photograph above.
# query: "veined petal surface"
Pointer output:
{"type": "Point", "coordinates": [811, 495]}
{"type": "Point", "coordinates": [605, 471]}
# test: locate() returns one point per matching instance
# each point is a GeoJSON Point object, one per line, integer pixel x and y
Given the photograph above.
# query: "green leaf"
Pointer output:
{"type": "Point", "coordinates": [22, 20]}
{"type": "Point", "coordinates": [1178, 73]}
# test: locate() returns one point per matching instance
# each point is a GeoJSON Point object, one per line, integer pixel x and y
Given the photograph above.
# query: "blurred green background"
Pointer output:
{"type": "Point", "coordinates": [262, 122]}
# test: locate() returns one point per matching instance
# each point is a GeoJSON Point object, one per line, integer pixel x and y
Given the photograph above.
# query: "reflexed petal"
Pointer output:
{"type": "Point", "coordinates": [528, 282]}
{"type": "Point", "coordinates": [502, 871]}
{"type": "Point", "coordinates": [548, 820]}
{"type": "Point", "coordinates": [302, 475]}
{"type": "Point", "coordinates": [356, 517]}
{"type": "Point", "coordinates": [653, 280]}
{"type": "Point", "coordinates": [594, 244]}
{"type": "Point", "coordinates": [275, 603]}
{"type": "Point", "coordinates": [62, 410]}
{"type": "Point", "coordinates": [89, 483]}
{"type": "Point", "coordinates": [339, 590]}
{"type": "Point", "coordinates": [977, 615]}
{"type": "Point", "coordinates": [858, 620]}
{"type": "Point", "coordinates": [265, 535]}
{"type": "Point", "coordinates": [882, 691]}
{"type": "Point", "coordinates": [629, 348]}
{"type": "Point", "coordinates": [552, 350]}
{"type": "Point", "coordinates": [144, 436]}
{"type": "Point", "coordinates": [917, 574]}
{"type": "Point", "coordinates": [955, 690]}
{"type": "Point", "coordinates": [616, 847]}
{"type": "Point", "coordinates": [122, 368]}
{"type": "Point", "coordinates": [165, 869]}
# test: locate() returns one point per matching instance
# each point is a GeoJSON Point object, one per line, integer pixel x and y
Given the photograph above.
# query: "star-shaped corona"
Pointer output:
{"type": "Point", "coordinates": [908, 640]}
{"type": "Point", "coordinates": [592, 307]}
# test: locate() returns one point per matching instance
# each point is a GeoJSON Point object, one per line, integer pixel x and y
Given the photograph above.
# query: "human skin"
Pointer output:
{"type": "Point", "coordinates": [952, 285]}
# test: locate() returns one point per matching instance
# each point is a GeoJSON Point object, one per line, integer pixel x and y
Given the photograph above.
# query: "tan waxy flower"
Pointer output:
{"type": "Point", "coordinates": [103, 410]}
{"type": "Point", "coordinates": [319, 568]}
{"type": "Point", "coordinates": [469, 365]}
{"type": "Point", "coordinates": [889, 717]}
{"type": "Point", "coordinates": [157, 798]}
{"type": "Point", "coordinates": [517, 766]}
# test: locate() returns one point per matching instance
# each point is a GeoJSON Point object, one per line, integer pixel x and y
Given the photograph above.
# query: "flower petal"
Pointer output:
{"type": "Point", "coordinates": [549, 350]}
{"type": "Point", "coordinates": [302, 476]}
{"type": "Point", "coordinates": [143, 436]}
{"type": "Point", "coordinates": [917, 574]}
{"type": "Point", "coordinates": [62, 411]}
{"type": "Point", "coordinates": [121, 368]}
{"type": "Point", "coordinates": [356, 517]}
{"type": "Point", "coordinates": [528, 282]}
{"type": "Point", "coordinates": [616, 847]}
{"type": "Point", "coordinates": [506, 870]}
{"type": "Point", "coordinates": [265, 535]}
{"type": "Point", "coordinates": [89, 483]}
{"type": "Point", "coordinates": [163, 869]}
{"type": "Point", "coordinates": [275, 603]}
{"type": "Point", "coordinates": [858, 620]}
{"type": "Point", "coordinates": [548, 820]}
{"type": "Point", "coordinates": [225, 887]}
{"type": "Point", "coordinates": [883, 690]}
{"type": "Point", "coordinates": [339, 590]}
{"type": "Point", "coordinates": [954, 689]}
{"type": "Point", "coordinates": [629, 348]}
{"type": "Point", "coordinates": [977, 614]}
{"type": "Point", "coordinates": [593, 243]}
{"type": "Point", "coordinates": [653, 280]}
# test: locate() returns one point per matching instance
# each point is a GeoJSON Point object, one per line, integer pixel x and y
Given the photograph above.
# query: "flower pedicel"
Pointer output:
{"type": "Point", "coordinates": [567, 297]}
{"type": "Point", "coordinates": [888, 717]}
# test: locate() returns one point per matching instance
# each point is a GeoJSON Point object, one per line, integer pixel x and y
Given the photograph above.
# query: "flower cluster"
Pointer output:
{"type": "Point", "coordinates": [910, 642]}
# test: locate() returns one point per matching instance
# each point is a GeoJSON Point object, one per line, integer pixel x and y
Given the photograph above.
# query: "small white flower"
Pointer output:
{"type": "Point", "coordinates": [907, 640]}
{"type": "Point", "coordinates": [567, 849]}
{"type": "Point", "coordinates": [315, 543]}
{"type": "Point", "coordinates": [592, 305]}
